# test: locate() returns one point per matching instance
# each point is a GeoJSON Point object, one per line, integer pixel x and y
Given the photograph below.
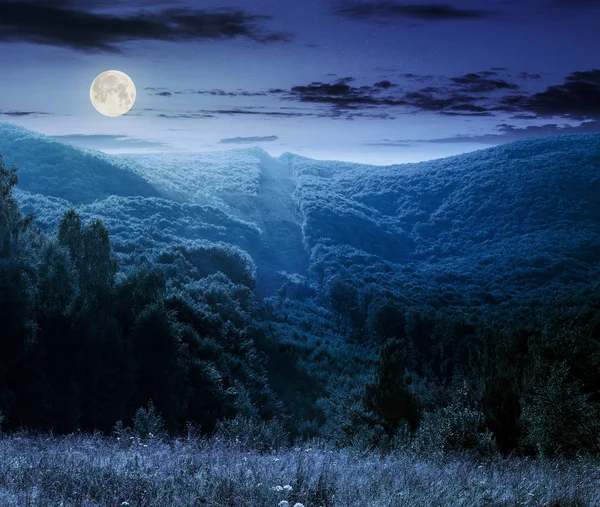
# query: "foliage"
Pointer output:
{"type": "Point", "coordinates": [148, 423]}
{"type": "Point", "coordinates": [454, 429]}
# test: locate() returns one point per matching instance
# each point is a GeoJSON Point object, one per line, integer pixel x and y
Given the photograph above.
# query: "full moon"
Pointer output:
{"type": "Point", "coordinates": [112, 93]}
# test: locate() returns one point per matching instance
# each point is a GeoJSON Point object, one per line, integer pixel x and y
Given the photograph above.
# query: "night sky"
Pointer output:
{"type": "Point", "coordinates": [369, 81]}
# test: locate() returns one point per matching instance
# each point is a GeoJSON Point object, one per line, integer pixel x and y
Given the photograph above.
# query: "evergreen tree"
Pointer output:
{"type": "Point", "coordinates": [389, 397]}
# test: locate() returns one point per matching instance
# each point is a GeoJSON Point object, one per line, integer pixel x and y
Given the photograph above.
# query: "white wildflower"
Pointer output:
{"type": "Point", "coordinates": [298, 505]}
{"type": "Point", "coordinates": [276, 459]}
{"type": "Point", "coordinates": [124, 504]}
{"type": "Point", "coordinates": [288, 488]}
{"type": "Point", "coordinates": [284, 503]}
{"type": "Point", "coordinates": [278, 488]}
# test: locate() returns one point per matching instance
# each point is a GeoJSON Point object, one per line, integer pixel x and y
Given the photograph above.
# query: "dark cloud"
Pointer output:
{"type": "Point", "coordinates": [480, 82]}
{"type": "Point", "coordinates": [223, 93]}
{"type": "Point", "coordinates": [22, 113]}
{"type": "Point", "coordinates": [213, 113]}
{"type": "Point", "coordinates": [421, 78]}
{"type": "Point", "coordinates": [482, 93]}
{"type": "Point", "coordinates": [246, 140]}
{"type": "Point", "coordinates": [386, 11]}
{"type": "Point", "coordinates": [342, 95]}
{"type": "Point", "coordinates": [578, 97]}
{"type": "Point", "coordinates": [455, 104]}
{"type": "Point", "coordinates": [109, 141]}
{"type": "Point", "coordinates": [215, 93]}
{"type": "Point", "coordinates": [528, 75]}
{"type": "Point", "coordinates": [74, 25]}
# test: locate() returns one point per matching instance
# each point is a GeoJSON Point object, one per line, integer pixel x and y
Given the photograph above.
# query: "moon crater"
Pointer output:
{"type": "Point", "coordinates": [113, 93]}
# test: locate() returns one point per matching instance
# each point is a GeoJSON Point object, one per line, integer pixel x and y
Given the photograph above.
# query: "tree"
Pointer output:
{"type": "Point", "coordinates": [342, 298]}
{"type": "Point", "coordinates": [389, 396]}
{"type": "Point", "coordinates": [12, 222]}
{"type": "Point", "coordinates": [98, 267]}
{"type": "Point", "coordinates": [386, 320]}
{"type": "Point", "coordinates": [70, 233]}
{"type": "Point", "coordinates": [558, 418]}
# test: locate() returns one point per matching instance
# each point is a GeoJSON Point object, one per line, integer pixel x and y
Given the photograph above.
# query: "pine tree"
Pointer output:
{"type": "Point", "coordinates": [389, 396]}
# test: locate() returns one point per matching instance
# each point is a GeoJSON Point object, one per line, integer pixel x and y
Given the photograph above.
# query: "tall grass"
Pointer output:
{"type": "Point", "coordinates": [82, 470]}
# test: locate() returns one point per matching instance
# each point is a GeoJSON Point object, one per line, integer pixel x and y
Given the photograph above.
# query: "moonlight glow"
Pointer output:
{"type": "Point", "coordinates": [113, 93]}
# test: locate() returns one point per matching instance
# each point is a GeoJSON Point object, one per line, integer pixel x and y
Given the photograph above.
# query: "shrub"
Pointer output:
{"type": "Point", "coordinates": [559, 419]}
{"type": "Point", "coordinates": [456, 428]}
{"type": "Point", "coordinates": [252, 433]}
{"type": "Point", "coordinates": [147, 422]}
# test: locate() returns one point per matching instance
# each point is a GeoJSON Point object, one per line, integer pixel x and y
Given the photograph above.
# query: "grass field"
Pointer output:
{"type": "Point", "coordinates": [80, 470]}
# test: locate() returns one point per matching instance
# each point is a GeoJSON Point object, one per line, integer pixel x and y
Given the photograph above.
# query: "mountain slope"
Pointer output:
{"type": "Point", "coordinates": [522, 219]}
{"type": "Point", "coordinates": [504, 220]}
{"type": "Point", "coordinates": [55, 169]}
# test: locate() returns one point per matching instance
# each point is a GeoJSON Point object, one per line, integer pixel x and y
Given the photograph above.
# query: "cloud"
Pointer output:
{"type": "Point", "coordinates": [385, 11]}
{"type": "Point", "coordinates": [342, 95]}
{"type": "Point", "coordinates": [69, 25]}
{"type": "Point", "coordinates": [223, 93]}
{"type": "Point", "coordinates": [527, 75]}
{"type": "Point", "coordinates": [109, 141]}
{"type": "Point", "coordinates": [483, 93]}
{"type": "Point", "coordinates": [392, 144]}
{"type": "Point", "coordinates": [577, 97]}
{"type": "Point", "coordinates": [435, 100]}
{"type": "Point", "coordinates": [481, 83]}
{"type": "Point", "coordinates": [245, 140]}
{"type": "Point", "coordinates": [22, 113]}
{"type": "Point", "coordinates": [506, 133]}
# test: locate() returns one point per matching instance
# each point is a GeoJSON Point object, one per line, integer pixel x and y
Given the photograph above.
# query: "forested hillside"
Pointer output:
{"type": "Point", "coordinates": [449, 305]}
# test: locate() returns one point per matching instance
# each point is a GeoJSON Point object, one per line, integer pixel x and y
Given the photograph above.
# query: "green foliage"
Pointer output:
{"type": "Point", "coordinates": [386, 320]}
{"type": "Point", "coordinates": [456, 428]}
{"type": "Point", "coordinates": [253, 433]}
{"type": "Point", "coordinates": [389, 397]}
{"type": "Point", "coordinates": [342, 299]}
{"type": "Point", "coordinates": [559, 419]}
{"type": "Point", "coordinates": [12, 222]}
{"type": "Point", "coordinates": [148, 422]}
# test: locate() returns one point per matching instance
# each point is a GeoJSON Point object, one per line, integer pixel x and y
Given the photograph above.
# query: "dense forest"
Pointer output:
{"type": "Point", "coordinates": [182, 339]}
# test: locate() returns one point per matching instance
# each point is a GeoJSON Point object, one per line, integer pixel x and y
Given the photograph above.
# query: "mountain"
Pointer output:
{"type": "Point", "coordinates": [520, 220]}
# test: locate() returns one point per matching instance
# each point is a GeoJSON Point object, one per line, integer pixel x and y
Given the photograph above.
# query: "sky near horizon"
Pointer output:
{"type": "Point", "coordinates": [368, 81]}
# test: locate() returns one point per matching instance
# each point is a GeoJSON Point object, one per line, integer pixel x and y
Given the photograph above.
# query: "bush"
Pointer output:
{"type": "Point", "coordinates": [559, 419]}
{"type": "Point", "coordinates": [148, 423]}
{"type": "Point", "coordinates": [253, 434]}
{"type": "Point", "coordinates": [454, 429]}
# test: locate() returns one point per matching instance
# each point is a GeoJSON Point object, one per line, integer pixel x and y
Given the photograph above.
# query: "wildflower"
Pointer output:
{"type": "Point", "coordinates": [284, 503]}
{"type": "Point", "coordinates": [124, 504]}
{"type": "Point", "coordinates": [278, 488]}
{"type": "Point", "coordinates": [288, 488]}
{"type": "Point", "coordinates": [298, 505]}
{"type": "Point", "coordinates": [276, 459]}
